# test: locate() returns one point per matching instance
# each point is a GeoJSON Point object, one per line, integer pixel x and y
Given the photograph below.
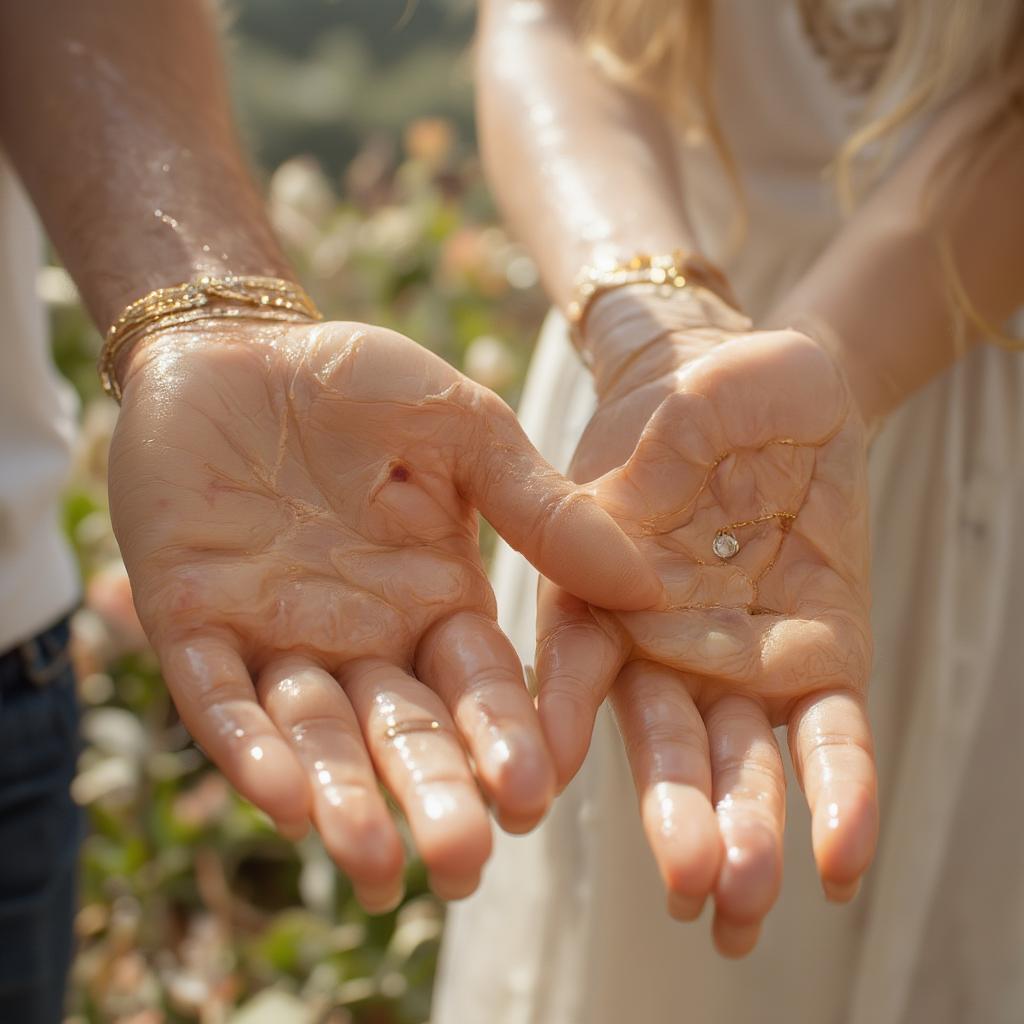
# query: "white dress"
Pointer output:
{"type": "Point", "coordinates": [569, 925]}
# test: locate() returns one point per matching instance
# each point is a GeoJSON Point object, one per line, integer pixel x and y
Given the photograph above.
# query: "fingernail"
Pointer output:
{"type": "Point", "coordinates": [840, 892]}
{"type": "Point", "coordinates": [735, 940]}
{"type": "Point", "coordinates": [453, 888]}
{"type": "Point", "coordinates": [380, 900]}
{"type": "Point", "coordinates": [685, 908]}
{"type": "Point", "coordinates": [563, 726]}
{"type": "Point", "coordinates": [520, 773]}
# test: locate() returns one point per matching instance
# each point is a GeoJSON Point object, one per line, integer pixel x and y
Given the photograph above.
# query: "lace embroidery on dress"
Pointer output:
{"type": "Point", "coordinates": [853, 39]}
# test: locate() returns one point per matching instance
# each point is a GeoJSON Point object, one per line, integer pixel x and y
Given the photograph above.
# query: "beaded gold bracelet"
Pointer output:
{"type": "Point", "coordinates": [230, 297]}
{"type": "Point", "coordinates": [670, 271]}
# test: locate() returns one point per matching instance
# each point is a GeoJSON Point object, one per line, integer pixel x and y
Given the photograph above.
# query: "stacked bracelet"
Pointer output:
{"type": "Point", "coordinates": [670, 272]}
{"type": "Point", "coordinates": [207, 298]}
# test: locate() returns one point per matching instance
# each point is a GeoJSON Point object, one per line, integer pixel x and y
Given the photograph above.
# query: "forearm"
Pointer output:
{"type": "Point", "coordinates": [582, 169]}
{"type": "Point", "coordinates": [117, 118]}
{"type": "Point", "coordinates": [880, 295]}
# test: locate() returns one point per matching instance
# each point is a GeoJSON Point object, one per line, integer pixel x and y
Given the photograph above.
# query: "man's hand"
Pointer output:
{"type": "Point", "coordinates": [747, 491]}
{"type": "Point", "coordinates": [297, 510]}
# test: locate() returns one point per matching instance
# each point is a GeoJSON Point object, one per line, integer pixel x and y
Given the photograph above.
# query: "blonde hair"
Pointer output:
{"type": "Point", "coordinates": [663, 48]}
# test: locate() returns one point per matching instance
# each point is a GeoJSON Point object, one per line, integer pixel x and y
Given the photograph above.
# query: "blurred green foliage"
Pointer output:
{"type": "Point", "coordinates": [193, 909]}
{"type": "Point", "coordinates": [321, 76]}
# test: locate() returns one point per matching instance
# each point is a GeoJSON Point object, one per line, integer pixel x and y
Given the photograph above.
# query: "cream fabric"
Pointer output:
{"type": "Point", "coordinates": [569, 925]}
{"type": "Point", "coordinates": [38, 578]}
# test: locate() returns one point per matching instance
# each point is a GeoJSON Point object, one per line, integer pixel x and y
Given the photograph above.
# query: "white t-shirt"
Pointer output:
{"type": "Point", "coordinates": [38, 577]}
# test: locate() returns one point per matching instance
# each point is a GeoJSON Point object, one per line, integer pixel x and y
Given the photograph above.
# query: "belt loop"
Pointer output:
{"type": "Point", "coordinates": [42, 666]}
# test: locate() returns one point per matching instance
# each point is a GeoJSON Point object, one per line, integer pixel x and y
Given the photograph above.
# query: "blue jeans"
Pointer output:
{"type": "Point", "coordinates": [40, 827]}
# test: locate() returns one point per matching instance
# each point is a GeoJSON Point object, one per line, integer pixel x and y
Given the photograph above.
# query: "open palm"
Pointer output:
{"type": "Point", "coordinates": [747, 492]}
{"type": "Point", "coordinates": [297, 509]}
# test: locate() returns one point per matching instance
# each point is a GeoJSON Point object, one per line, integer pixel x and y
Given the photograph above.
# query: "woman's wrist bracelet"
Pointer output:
{"type": "Point", "coordinates": [207, 298]}
{"type": "Point", "coordinates": [665, 274]}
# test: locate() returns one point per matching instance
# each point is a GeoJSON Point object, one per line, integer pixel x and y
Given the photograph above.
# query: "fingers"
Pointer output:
{"type": "Point", "coordinates": [830, 742]}
{"type": "Point", "coordinates": [785, 389]}
{"type": "Point", "coordinates": [309, 707]}
{"type": "Point", "coordinates": [412, 741]}
{"type": "Point", "coordinates": [470, 664]}
{"type": "Point", "coordinates": [559, 527]}
{"type": "Point", "coordinates": [578, 658]}
{"type": "Point", "coordinates": [750, 801]}
{"type": "Point", "coordinates": [667, 748]}
{"type": "Point", "coordinates": [217, 702]}
{"type": "Point", "coordinates": [661, 481]}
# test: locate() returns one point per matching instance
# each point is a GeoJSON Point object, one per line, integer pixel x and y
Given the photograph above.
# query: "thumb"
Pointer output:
{"type": "Point", "coordinates": [557, 525]}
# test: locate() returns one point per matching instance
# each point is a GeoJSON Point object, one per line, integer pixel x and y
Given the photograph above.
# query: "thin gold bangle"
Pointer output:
{"type": "Point", "coordinates": [231, 297]}
{"type": "Point", "coordinates": [669, 271]}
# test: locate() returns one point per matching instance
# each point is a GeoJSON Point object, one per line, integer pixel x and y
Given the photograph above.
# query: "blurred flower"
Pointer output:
{"type": "Point", "coordinates": [391, 231]}
{"type": "Point", "coordinates": [318, 880]}
{"type": "Point", "coordinates": [460, 253]}
{"type": "Point", "coordinates": [520, 270]}
{"type": "Point", "coordinates": [91, 650]}
{"type": "Point", "coordinates": [430, 139]}
{"type": "Point", "coordinates": [331, 253]}
{"type": "Point", "coordinates": [131, 992]}
{"type": "Point", "coordinates": [188, 992]}
{"type": "Point", "coordinates": [93, 443]}
{"type": "Point", "coordinates": [470, 257]}
{"type": "Point", "coordinates": [150, 1016]}
{"type": "Point", "coordinates": [115, 731]}
{"type": "Point", "coordinates": [368, 177]}
{"type": "Point", "coordinates": [489, 361]}
{"type": "Point", "coordinates": [94, 687]}
{"type": "Point", "coordinates": [55, 287]}
{"type": "Point", "coordinates": [91, 920]}
{"type": "Point", "coordinates": [301, 185]}
{"type": "Point", "coordinates": [113, 780]}
{"type": "Point", "coordinates": [273, 1006]}
{"type": "Point", "coordinates": [300, 201]}
{"type": "Point", "coordinates": [200, 981]}
{"type": "Point", "coordinates": [419, 921]}
{"type": "Point", "coordinates": [204, 803]}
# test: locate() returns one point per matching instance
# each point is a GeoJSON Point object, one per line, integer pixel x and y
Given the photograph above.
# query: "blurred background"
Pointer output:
{"type": "Point", "coordinates": [358, 115]}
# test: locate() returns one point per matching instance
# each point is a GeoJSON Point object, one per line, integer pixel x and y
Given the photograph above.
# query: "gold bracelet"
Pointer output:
{"type": "Point", "coordinates": [671, 271]}
{"type": "Point", "coordinates": [207, 298]}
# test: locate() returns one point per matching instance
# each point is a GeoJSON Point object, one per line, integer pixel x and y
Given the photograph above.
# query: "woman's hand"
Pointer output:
{"type": "Point", "coordinates": [747, 491]}
{"type": "Point", "coordinates": [297, 509]}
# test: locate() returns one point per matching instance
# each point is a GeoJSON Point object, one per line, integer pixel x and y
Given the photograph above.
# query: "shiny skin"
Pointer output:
{"type": "Point", "coordinates": [297, 510]}
{"type": "Point", "coordinates": [729, 428]}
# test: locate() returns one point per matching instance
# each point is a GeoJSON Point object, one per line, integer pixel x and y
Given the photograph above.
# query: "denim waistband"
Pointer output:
{"type": "Point", "coordinates": [37, 661]}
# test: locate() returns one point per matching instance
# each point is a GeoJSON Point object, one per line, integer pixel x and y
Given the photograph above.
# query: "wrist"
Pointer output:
{"type": "Point", "coordinates": [872, 393]}
{"type": "Point", "coordinates": [636, 334]}
{"type": "Point", "coordinates": [197, 304]}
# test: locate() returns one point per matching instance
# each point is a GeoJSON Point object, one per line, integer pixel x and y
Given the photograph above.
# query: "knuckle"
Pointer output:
{"type": "Point", "coordinates": [491, 405]}
{"type": "Point", "coordinates": [826, 746]}
{"type": "Point", "coordinates": [749, 773]}
{"type": "Point", "coordinates": [569, 686]}
{"type": "Point", "coordinates": [306, 727]}
{"type": "Point", "coordinates": [494, 680]}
